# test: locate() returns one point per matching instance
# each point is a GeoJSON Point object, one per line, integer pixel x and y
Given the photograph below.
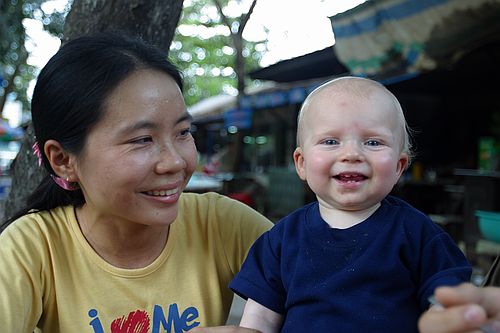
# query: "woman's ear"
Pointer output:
{"type": "Point", "coordinates": [60, 160]}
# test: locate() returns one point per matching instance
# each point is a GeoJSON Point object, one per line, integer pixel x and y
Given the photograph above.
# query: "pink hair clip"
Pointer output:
{"type": "Point", "coordinates": [37, 153]}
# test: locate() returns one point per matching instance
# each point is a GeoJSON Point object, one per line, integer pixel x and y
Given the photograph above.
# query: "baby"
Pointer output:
{"type": "Point", "coordinates": [357, 259]}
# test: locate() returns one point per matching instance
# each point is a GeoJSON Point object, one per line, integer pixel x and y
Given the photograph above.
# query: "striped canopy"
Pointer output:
{"type": "Point", "coordinates": [414, 35]}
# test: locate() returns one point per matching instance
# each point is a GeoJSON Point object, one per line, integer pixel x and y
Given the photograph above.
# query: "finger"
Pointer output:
{"type": "Point", "coordinates": [457, 319]}
{"type": "Point", "coordinates": [490, 300]}
{"type": "Point", "coordinates": [462, 294]}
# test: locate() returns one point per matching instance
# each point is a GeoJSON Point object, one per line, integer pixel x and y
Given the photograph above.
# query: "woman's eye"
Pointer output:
{"type": "Point", "coordinates": [185, 132]}
{"type": "Point", "coordinates": [142, 140]}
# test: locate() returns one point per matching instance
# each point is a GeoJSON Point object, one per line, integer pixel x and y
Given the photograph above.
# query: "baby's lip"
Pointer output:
{"type": "Point", "coordinates": [350, 176]}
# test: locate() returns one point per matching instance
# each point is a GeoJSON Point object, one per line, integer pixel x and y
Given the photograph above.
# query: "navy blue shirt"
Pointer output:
{"type": "Point", "coordinates": [373, 277]}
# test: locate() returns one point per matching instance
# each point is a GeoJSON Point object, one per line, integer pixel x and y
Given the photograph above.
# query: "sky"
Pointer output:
{"type": "Point", "coordinates": [295, 28]}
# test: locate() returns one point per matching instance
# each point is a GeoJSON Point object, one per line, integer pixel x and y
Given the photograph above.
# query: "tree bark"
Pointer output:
{"type": "Point", "coordinates": [238, 44]}
{"type": "Point", "coordinates": [26, 175]}
{"type": "Point", "coordinates": [237, 39]}
{"type": "Point", "coordinates": [10, 80]}
{"type": "Point", "coordinates": [153, 20]}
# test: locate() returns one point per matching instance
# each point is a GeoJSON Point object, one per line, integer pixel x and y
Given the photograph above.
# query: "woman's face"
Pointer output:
{"type": "Point", "coordinates": [138, 159]}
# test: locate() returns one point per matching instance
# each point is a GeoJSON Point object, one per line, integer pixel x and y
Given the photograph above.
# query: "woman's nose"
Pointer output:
{"type": "Point", "coordinates": [170, 160]}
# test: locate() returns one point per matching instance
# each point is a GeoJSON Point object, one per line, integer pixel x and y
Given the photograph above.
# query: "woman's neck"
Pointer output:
{"type": "Point", "coordinates": [122, 244]}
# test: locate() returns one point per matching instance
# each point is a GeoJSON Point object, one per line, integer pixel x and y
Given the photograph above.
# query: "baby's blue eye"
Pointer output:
{"type": "Point", "coordinates": [373, 143]}
{"type": "Point", "coordinates": [330, 142]}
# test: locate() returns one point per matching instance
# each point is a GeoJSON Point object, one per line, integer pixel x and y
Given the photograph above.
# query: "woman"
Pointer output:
{"type": "Point", "coordinates": [108, 241]}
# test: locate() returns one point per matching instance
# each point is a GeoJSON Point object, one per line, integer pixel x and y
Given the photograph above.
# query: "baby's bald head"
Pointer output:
{"type": "Point", "coordinates": [357, 87]}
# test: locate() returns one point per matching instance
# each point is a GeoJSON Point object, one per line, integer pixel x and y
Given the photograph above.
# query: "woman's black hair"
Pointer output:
{"type": "Point", "coordinates": [70, 96]}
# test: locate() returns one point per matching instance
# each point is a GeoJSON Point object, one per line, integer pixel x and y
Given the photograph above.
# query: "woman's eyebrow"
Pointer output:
{"type": "Point", "coordinates": [185, 117]}
{"type": "Point", "coordinates": [143, 124]}
{"type": "Point", "coordinates": [147, 124]}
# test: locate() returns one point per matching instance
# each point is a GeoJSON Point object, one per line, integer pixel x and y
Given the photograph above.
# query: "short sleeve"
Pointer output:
{"type": "Point", "coordinates": [260, 276]}
{"type": "Point", "coordinates": [442, 264]}
{"type": "Point", "coordinates": [239, 226]}
{"type": "Point", "coordinates": [21, 280]}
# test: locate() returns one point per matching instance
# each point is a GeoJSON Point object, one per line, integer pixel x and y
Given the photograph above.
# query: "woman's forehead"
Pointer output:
{"type": "Point", "coordinates": [144, 96]}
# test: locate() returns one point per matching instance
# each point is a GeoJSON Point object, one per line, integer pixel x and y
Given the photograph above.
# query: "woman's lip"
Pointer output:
{"type": "Point", "coordinates": [167, 189]}
{"type": "Point", "coordinates": [163, 197]}
{"type": "Point", "coordinates": [162, 192]}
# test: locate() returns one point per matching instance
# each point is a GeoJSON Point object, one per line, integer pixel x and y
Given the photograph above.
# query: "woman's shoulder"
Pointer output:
{"type": "Point", "coordinates": [211, 202]}
{"type": "Point", "coordinates": [206, 204]}
{"type": "Point", "coordinates": [190, 198]}
{"type": "Point", "coordinates": [31, 238]}
{"type": "Point", "coordinates": [37, 225]}
{"type": "Point", "coordinates": [213, 207]}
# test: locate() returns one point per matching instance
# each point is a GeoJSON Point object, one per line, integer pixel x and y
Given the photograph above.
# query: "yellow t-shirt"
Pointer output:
{"type": "Point", "coordinates": [51, 278]}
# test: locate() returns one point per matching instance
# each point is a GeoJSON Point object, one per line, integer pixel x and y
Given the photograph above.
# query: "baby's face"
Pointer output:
{"type": "Point", "coordinates": [350, 152]}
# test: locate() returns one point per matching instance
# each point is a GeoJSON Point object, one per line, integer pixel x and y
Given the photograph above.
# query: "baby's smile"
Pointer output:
{"type": "Point", "coordinates": [350, 177]}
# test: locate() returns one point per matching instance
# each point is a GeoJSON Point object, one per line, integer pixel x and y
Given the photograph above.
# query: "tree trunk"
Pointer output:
{"type": "Point", "coordinates": [10, 80]}
{"type": "Point", "coordinates": [240, 65]}
{"type": "Point", "coordinates": [153, 20]}
{"type": "Point", "coordinates": [26, 175]}
{"type": "Point", "coordinates": [238, 43]}
{"type": "Point", "coordinates": [237, 39]}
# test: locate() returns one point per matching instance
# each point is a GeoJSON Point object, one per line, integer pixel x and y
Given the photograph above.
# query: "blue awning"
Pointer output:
{"type": "Point", "coordinates": [384, 33]}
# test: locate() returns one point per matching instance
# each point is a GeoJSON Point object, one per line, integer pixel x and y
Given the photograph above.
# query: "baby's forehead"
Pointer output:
{"type": "Point", "coordinates": [339, 92]}
{"type": "Point", "coordinates": [338, 95]}
{"type": "Point", "coordinates": [352, 87]}
{"type": "Point", "coordinates": [349, 89]}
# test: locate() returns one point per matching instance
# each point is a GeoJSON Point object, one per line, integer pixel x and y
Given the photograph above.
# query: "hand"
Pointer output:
{"type": "Point", "coordinates": [223, 329]}
{"type": "Point", "coordinates": [466, 308]}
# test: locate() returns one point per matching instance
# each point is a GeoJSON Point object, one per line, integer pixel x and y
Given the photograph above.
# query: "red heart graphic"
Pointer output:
{"type": "Point", "coordinates": [136, 322]}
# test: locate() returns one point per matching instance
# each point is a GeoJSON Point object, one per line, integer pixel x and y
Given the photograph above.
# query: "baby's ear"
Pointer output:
{"type": "Point", "coordinates": [403, 163]}
{"type": "Point", "coordinates": [298, 159]}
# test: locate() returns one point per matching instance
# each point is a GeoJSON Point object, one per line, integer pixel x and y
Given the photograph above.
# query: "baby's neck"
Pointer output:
{"type": "Point", "coordinates": [343, 219]}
